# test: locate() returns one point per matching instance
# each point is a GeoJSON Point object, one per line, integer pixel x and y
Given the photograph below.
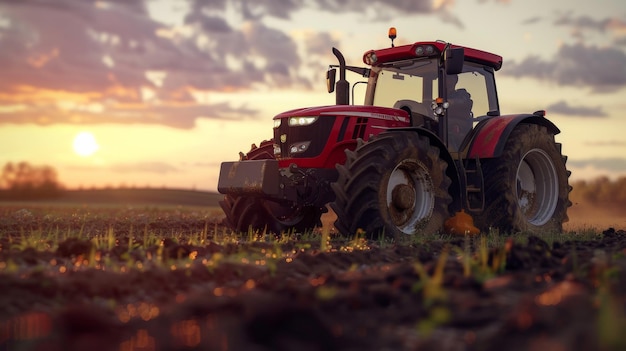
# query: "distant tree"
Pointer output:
{"type": "Point", "coordinates": [600, 191]}
{"type": "Point", "coordinates": [620, 190]}
{"type": "Point", "coordinates": [25, 181]}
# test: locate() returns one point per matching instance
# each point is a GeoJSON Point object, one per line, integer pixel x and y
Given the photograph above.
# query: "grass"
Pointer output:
{"type": "Point", "coordinates": [47, 227]}
{"type": "Point", "coordinates": [432, 286]}
{"type": "Point", "coordinates": [42, 228]}
{"type": "Point", "coordinates": [144, 248]}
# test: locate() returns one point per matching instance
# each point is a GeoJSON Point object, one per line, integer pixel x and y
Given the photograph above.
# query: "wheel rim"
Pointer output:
{"type": "Point", "coordinates": [286, 216]}
{"type": "Point", "coordinates": [410, 196]}
{"type": "Point", "coordinates": [537, 187]}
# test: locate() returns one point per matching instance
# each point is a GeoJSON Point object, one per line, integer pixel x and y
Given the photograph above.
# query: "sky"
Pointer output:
{"type": "Point", "coordinates": [159, 92]}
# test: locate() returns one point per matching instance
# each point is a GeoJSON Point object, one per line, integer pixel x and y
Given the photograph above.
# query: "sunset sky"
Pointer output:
{"type": "Point", "coordinates": [162, 91]}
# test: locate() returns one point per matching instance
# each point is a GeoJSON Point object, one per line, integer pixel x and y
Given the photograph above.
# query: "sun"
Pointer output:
{"type": "Point", "coordinates": [85, 144]}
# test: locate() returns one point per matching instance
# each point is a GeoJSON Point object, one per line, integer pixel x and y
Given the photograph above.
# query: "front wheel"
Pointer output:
{"type": "Point", "coordinates": [244, 212]}
{"type": "Point", "coordinates": [527, 188]}
{"type": "Point", "coordinates": [395, 184]}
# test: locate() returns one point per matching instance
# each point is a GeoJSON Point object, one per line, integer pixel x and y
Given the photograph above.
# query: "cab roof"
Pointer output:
{"type": "Point", "coordinates": [428, 49]}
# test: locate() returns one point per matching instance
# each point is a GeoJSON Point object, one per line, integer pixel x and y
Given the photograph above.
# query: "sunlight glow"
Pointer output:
{"type": "Point", "coordinates": [85, 144]}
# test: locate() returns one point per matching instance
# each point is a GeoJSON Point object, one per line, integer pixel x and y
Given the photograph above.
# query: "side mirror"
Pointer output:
{"type": "Point", "coordinates": [330, 80]}
{"type": "Point", "coordinates": [453, 60]}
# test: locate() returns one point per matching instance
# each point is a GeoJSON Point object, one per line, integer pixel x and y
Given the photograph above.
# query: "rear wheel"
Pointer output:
{"type": "Point", "coordinates": [395, 184]}
{"type": "Point", "coordinates": [527, 187]}
{"type": "Point", "coordinates": [244, 213]}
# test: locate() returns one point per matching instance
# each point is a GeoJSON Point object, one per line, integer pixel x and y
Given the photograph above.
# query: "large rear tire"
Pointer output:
{"type": "Point", "coordinates": [527, 188]}
{"type": "Point", "coordinates": [244, 213]}
{"type": "Point", "coordinates": [395, 184]}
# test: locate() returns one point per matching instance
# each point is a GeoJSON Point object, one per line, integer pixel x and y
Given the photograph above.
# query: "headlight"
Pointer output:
{"type": "Point", "coordinates": [276, 150]}
{"type": "Point", "coordinates": [424, 50]}
{"type": "Point", "coordinates": [299, 147]}
{"type": "Point", "coordinates": [370, 58]}
{"type": "Point", "coordinates": [277, 123]}
{"type": "Point", "coordinates": [301, 121]}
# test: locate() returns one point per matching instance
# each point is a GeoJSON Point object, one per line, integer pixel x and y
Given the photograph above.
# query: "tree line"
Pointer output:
{"type": "Point", "coordinates": [23, 181]}
{"type": "Point", "coordinates": [600, 191]}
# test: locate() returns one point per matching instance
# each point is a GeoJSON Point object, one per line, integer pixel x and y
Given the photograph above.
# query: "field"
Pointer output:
{"type": "Point", "coordinates": [160, 272]}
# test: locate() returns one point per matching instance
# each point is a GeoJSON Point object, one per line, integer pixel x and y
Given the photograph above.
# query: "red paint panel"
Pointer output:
{"type": "Point", "coordinates": [484, 144]}
{"type": "Point", "coordinates": [341, 110]}
{"type": "Point", "coordinates": [378, 119]}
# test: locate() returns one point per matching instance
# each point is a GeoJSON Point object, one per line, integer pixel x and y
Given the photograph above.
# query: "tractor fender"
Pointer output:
{"type": "Point", "coordinates": [490, 136]}
{"type": "Point", "coordinates": [451, 171]}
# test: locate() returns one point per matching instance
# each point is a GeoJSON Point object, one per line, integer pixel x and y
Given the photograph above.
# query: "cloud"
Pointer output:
{"type": "Point", "coordinates": [602, 69]}
{"type": "Point", "coordinates": [37, 51]}
{"type": "Point", "coordinates": [253, 10]}
{"type": "Point", "coordinates": [284, 8]}
{"type": "Point", "coordinates": [609, 164]}
{"type": "Point", "coordinates": [620, 41]}
{"type": "Point", "coordinates": [319, 43]}
{"type": "Point", "coordinates": [584, 23]}
{"type": "Point", "coordinates": [62, 46]}
{"type": "Point", "coordinates": [408, 7]}
{"type": "Point", "coordinates": [532, 20]}
{"type": "Point", "coordinates": [134, 43]}
{"type": "Point", "coordinates": [209, 23]}
{"type": "Point", "coordinates": [448, 17]}
{"type": "Point", "coordinates": [564, 108]}
{"type": "Point", "coordinates": [175, 115]}
{"type": "Point", "coordinates": [270, 44]}
{"type": "Point", "coordinates": [100, 57]}
{"type": "Point", "coordinates": [376, 10]}
{"type": "Point", "coordinates": [100, 54]}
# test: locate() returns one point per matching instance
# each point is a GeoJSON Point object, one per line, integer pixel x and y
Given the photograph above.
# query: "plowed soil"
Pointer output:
{"type": "Point", "coordinates": [127, 279]}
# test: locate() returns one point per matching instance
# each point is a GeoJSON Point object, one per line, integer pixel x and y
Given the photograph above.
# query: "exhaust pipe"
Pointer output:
{"type": "Point", "coordinates": [342, 90]}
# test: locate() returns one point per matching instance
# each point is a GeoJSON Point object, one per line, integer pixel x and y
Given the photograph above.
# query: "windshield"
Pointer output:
{"type": "Point", "coordinates": [404, 80]}
{"type": "Point", "coordinates": [415, 83]}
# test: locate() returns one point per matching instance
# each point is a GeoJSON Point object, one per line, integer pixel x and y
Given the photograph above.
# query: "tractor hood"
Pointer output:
{"type": "Point", "coordinates": [385, 113]}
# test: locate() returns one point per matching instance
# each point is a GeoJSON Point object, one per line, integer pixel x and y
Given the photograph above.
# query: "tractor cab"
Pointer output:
{"type": "Point", "coordinates": [443, 88]}
{"type": "Point", "coordinates": [415, 86]}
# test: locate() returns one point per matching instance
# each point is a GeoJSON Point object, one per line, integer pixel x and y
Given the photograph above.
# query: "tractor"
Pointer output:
{"type": "Point", "coordinates": [427, 145]}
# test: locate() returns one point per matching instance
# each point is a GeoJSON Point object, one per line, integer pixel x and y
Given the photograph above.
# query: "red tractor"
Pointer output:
{"type": "Point", "coordinates": [427, 143]}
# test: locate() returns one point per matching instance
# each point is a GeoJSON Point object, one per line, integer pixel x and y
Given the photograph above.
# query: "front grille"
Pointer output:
{"type": "Point", "coordinates": [317, 133]}
{"type": "Point", "coordinates": [359, 128]}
